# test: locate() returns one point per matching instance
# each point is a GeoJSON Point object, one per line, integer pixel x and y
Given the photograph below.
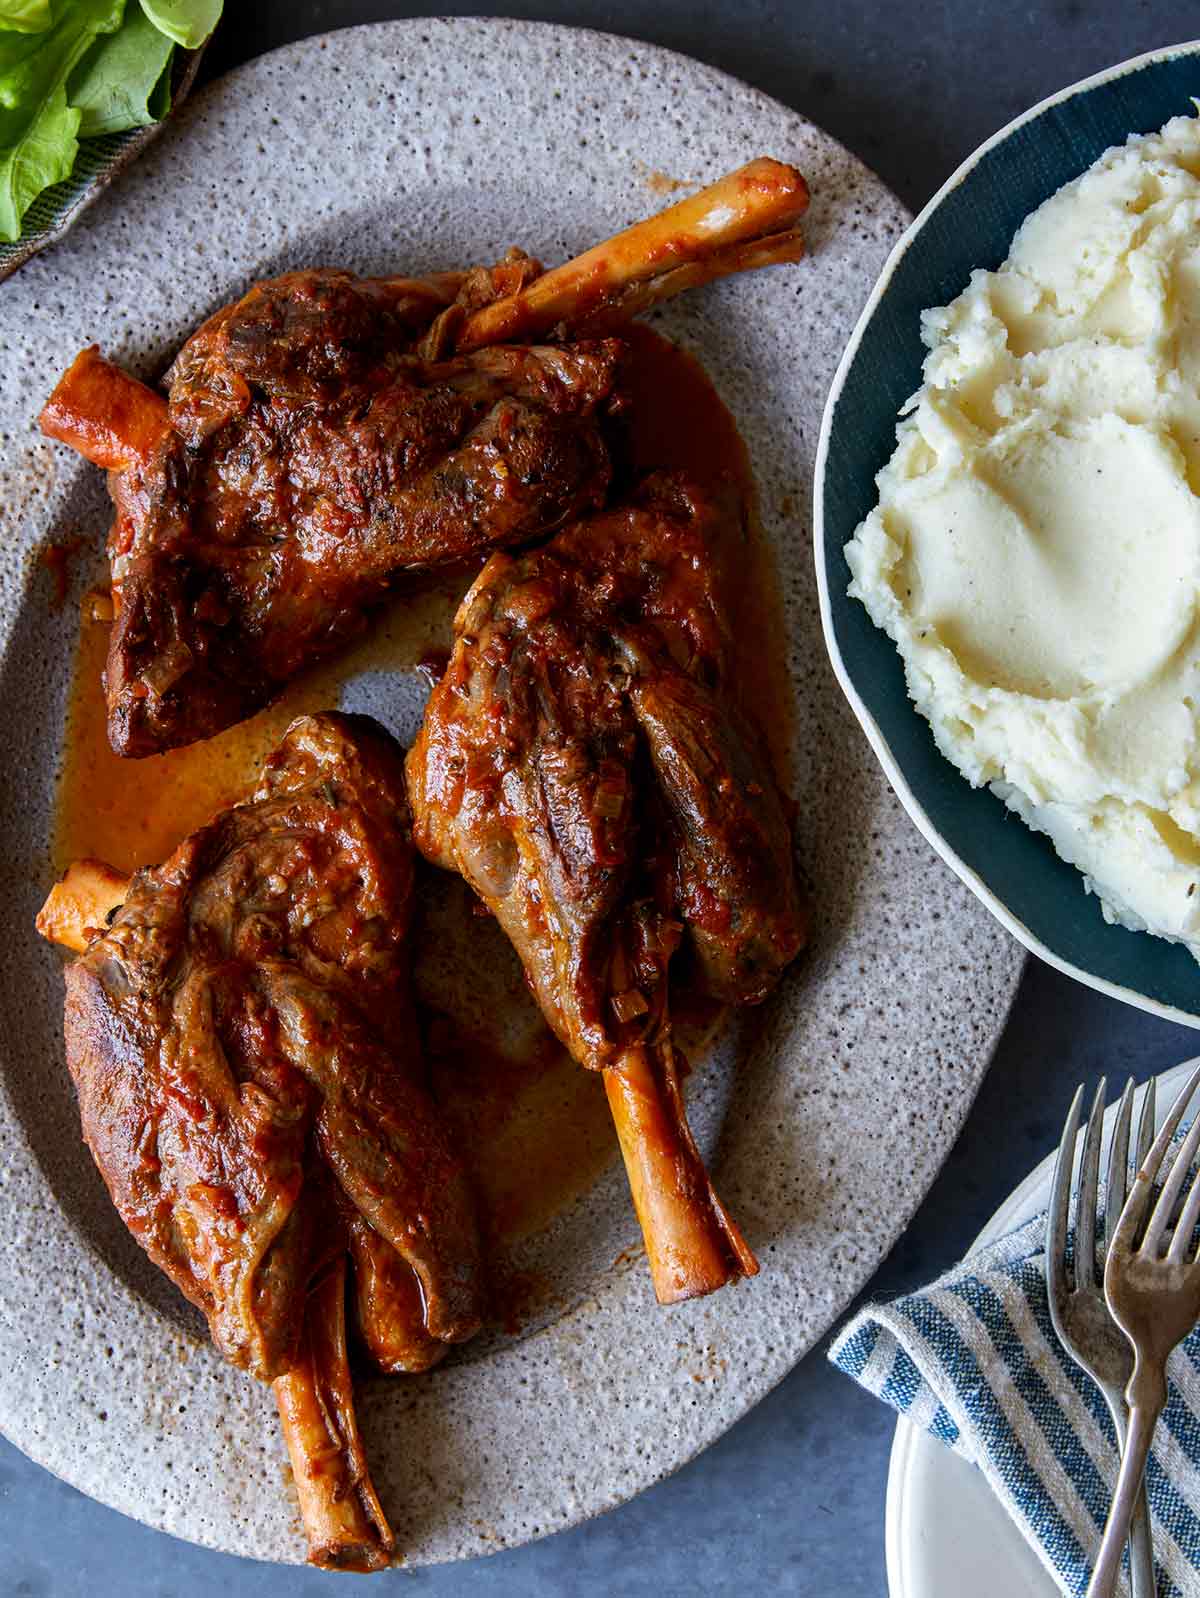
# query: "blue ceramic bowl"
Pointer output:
{"type": "Point", "coordinates": [970, 223]}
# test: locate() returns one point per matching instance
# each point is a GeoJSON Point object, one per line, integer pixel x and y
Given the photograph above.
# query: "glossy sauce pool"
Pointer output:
{"type": "Point", "coordinates": [533, 1125]}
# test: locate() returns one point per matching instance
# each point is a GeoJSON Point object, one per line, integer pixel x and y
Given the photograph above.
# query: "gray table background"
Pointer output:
{"type": "Point", "coordinates": [791, 1500]}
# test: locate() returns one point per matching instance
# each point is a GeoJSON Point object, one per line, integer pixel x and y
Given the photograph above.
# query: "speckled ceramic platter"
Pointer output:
{"type": "Point", "coordinates": [406, 146]}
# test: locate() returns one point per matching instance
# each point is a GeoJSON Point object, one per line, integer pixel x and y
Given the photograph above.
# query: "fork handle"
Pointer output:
{"type": "Point", "coordinates": [1141, 1544]}
{"type": "Point", "coordinates": [1141, 1548]}
{"type": "Point", "coordinates": [1143, 1417]}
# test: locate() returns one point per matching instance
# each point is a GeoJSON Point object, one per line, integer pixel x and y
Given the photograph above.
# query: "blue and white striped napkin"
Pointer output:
{"type": "Point", "coordinates": [974, 1360]}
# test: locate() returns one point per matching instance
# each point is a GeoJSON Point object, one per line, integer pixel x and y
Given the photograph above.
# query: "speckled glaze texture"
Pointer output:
{"type": "Point", "coordinates": [826, 1116]}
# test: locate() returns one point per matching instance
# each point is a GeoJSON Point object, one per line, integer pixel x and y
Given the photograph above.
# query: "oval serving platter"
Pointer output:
{"type": "Point", "coordinates": [414, 145]}
{"type": "Point", "coordinates": [970, 223]}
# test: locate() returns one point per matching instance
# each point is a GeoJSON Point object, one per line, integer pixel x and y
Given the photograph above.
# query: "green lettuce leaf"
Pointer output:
{"type": "Point", "coordinates": [114, 86]}
{"type": "Point", "coordinates": [15, 47]}
{"type": "Point", "coordinates": [188, 22]}
{"type": "Point", "coordinates": [38, 128]}
{"type": "Point", "coordinates": [159, 103]}
{"type": "Point", "coordinates": [27, 16]}
{"type": "Point", "coordinates": [44, 155]}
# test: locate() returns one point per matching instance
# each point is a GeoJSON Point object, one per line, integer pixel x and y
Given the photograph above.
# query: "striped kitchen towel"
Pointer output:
{"type": "Point", "coordinates": [974, 1360]}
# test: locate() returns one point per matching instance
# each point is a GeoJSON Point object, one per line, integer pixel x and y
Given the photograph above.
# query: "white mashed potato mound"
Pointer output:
{"type": "Point", "coordinates": [1035, 553]}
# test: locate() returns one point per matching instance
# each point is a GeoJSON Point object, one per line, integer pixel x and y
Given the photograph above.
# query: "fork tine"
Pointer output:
{"type": "Point", "coordinates": [1139, 1201]}
{"type": "Point", "coordinates": [1116, 1184]}
{"type": "Point", "coordinates": [1086, 1194]}
{"type": "Point", "coordinates": [1146, 1119]}
{"type": "Point", "coordinates": [1168, 1199]}
{"type": "Point", "coordinates": [1057, 1286]}
{"type": "Point", "coordinates": [1181, 1240]}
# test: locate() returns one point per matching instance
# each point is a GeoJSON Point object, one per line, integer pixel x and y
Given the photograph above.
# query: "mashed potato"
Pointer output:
{"type": "Point", "coordinates": [1035, 553]}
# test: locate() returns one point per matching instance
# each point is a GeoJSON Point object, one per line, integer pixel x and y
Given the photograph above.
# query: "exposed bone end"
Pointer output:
{"type": "Point", "coordinates": [111, 418]}
{"type": "Point", "coordinates": [784, 186]}
{"type": "Point", "coordinates": [343, 1519]}
{"type": "Point", "coordinates": [78, 907]}
{"type": "Point", "coordinates": [693, 1245]}
{"type": "Point", "coordinates": [761, 200]}
{"type": "Point", "coordinates": [777, 249]}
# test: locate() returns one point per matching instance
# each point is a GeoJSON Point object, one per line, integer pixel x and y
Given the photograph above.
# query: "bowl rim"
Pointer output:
{"type": "Point", "coordinates": [879, 744]}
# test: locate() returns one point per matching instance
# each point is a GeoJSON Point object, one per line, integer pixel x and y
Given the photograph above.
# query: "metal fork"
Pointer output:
{"type": "Point", "coordinates": [1152, 1283]}
{"type": "Point", "coordinates": [1081, 1317]}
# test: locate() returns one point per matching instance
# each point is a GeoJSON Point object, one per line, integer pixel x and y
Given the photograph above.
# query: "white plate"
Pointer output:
{"type": "Point", "coordinates": [406, 146]}
{"type": "Point", "coordinates": [946, 1532]}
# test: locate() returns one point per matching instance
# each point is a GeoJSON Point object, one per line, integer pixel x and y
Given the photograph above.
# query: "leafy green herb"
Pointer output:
{"type": "Point", "coordinates": [72, 69]}
{"type": "Point", "coordinates": [188, 22]}
{"type": "Point", "coordinates": [113, 87]}
{"type": "Point", "coordinates": [27, 16]}
{"type": "Point", "coordinates": [17, 47]}
{"type": "Point", "coordinates": [38, 128]}
{"type": "Point", "coordinates": [159, 103]}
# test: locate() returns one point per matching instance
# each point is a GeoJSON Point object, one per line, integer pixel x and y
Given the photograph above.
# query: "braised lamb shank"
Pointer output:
{"type": "Point", "coordinates": [579, 765]}
{"type": "Point", "coordinates": [326, 433]}
{"type": "Point", "coordinates": [243, 1043]}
